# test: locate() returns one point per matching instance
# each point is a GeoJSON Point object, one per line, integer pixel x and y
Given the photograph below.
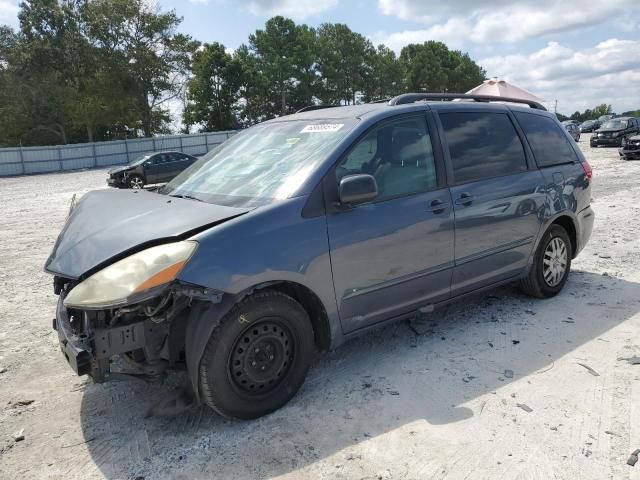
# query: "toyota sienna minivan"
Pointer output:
{"type": "Point", "coordinates": [303, 231]}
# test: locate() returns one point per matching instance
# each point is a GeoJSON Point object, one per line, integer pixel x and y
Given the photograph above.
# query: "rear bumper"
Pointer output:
{"type": "Point", "coordinates": [585, 225]}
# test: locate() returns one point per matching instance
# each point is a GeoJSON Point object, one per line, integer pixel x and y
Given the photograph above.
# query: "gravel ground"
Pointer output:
{"type": "Point", "coordinates": [500, 386]}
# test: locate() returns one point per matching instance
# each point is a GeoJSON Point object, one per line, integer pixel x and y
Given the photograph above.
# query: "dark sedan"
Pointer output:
{"type": "Point", "coordinates": [615, 133]}
{"type": "Point", "coordinates": [631, 149]}
{"type": "Point", "coordinates": [153, 168]}
{"type": "Point", "coordinates": [590, 126]}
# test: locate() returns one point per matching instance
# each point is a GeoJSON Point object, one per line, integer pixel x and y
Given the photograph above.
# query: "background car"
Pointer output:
{"type": "Point", "coordinates": [631, 149]}
{"type": "Point", "coordinates": [615, 132]}
{"type": "Point", "coordinates": [574, 130]}
{"type": "Point", "coordinates": [589, 126]}
{"type": "Point", "coordinates": [158, 167]}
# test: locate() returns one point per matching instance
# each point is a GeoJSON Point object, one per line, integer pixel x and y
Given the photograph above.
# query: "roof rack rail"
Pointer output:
{"type": "Point", "coordinates": [382, 100]}
{"type": "Point", "coordinates": [311, 108]}
{"type": "Point", "coordinates": [416, 97]}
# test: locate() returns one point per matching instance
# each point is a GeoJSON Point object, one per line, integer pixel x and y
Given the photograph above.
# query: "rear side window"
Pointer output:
{"type": "Point", "coordinates": [548, 142]}
{"type": "Point", "coordinates": [482, 145]}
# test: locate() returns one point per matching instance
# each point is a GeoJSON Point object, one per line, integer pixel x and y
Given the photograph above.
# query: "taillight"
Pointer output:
{"type": "Point", "coordinates": [587, 170]}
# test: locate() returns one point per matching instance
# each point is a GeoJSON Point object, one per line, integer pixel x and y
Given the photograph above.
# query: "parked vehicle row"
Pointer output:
{"type": "Point", "coordinates": [615, 132]}
{"type": "Point", "coordinates": [306, 230]}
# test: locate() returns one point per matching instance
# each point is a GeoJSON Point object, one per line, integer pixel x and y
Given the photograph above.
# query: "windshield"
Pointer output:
{"type": "Point", "coordinates": [139, 160]}
{"type": "Point", "coordinates": [615, 124]}
{"type": "Point", "coordinates": [264, 163]}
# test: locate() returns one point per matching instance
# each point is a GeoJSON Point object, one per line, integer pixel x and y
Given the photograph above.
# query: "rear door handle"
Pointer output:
{"type": "Point", "coordinates": [438, 206]}
{"type": "Point", "coordinates": [465, 199]}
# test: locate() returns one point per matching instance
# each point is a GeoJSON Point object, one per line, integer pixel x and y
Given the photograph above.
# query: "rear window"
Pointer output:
{"type": "Point", "coordinates": [548, 142]}
{"type": "Point", "coordinates": [482, 145]}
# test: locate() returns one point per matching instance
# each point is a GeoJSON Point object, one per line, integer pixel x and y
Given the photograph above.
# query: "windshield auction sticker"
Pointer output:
{"type": "Point", "coordinates": [322, 128]}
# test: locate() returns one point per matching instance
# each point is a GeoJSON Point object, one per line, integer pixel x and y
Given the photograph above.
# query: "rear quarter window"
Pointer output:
{"type": "Point", "coordinates": [548, 142]}
{"type": "Point", "coordinates": [482, 145]}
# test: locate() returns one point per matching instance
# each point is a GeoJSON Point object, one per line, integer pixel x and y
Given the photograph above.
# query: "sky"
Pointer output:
{"type": "Point", "coordinates": [580, 53]}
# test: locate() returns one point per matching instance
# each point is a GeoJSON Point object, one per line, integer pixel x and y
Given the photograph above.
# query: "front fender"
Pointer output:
{"type": "Point", "coordinates": [271, 244]}
{"type": "Point", "coordinates": [204, 317]}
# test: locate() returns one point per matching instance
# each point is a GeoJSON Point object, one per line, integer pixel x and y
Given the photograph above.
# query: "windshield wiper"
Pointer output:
{"type": "Point", "coordinates": [188, 197]}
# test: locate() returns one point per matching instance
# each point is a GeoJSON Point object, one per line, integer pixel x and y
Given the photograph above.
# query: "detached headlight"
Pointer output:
{"type": "Point", "coordinates": [116, 284]}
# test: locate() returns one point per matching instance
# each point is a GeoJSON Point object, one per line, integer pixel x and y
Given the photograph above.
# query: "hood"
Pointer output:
{"type": "Point", "coordinates": [635, 138]}
{"type": "Point", "coordinates": [123, 168]}
{"type": "Point", "coordinates": [107, 225]}
{"type": "Point", "coordinates": [609, 130]}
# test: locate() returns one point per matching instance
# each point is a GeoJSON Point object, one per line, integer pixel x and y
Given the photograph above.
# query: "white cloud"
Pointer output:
{"type": "Point", "coordinates": [297, 9]}
{"type": "Point", "coordinates": [502, 20]}
{"type": "Point", "coordinates": [9, 12]}
{"type": "Point", "coordinates": [608, 73]}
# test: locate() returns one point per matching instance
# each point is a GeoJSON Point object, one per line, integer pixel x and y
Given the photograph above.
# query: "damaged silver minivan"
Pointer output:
{"type": "Point", "coordinates": [301, 232]}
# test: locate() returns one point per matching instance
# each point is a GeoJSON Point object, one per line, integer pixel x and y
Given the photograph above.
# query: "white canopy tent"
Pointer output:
{"type": "Point", "coordinates": [500, 88]}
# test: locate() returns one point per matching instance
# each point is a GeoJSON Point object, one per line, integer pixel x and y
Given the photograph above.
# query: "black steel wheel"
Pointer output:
{"type": "Point", "coordinates": [262, 356]}
{"type": "Point", "coordinates": [257, 357]}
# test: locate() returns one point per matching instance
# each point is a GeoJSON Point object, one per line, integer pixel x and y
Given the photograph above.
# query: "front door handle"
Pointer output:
{"type": "Point", "coordinates": [438, 206]}
{"type": "Point", "coordinates": [465, 199]}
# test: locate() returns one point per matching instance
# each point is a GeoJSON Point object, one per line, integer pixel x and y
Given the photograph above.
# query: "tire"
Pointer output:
{"type": "Point", "coordinates": [535, 284]}
{"type": "Point", "coordinates": [135, 181]}
{"type": "Point", "coordinates": [257, 357]}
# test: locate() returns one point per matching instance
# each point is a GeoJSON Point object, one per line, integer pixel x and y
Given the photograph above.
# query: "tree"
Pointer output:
{"type": "Point", "coordinates": [214, 89]}
{"type": "Point", "coordinates": [341, 62]}
{"type": "Point", "coordinates": [273, 48]}
{"type": "Point", "coordinates": [432, 67]}
{"type": "Point", "coordinates": [384, 78]}
{"type": "Point", "coordinates": [142, 41]}
{"type": "Point", "coordinates": [602, 109]}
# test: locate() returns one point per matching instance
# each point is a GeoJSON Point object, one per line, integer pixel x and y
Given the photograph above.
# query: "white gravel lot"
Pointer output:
{"type": "Point", "coordinates": [496, 388]}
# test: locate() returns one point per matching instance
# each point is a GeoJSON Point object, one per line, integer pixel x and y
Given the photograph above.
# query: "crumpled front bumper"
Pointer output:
{"type": "Point", "coordinates": [85, 352]}
{"type": "Point", "coordinates": [75, 348]}
{"type": "Point", "coordinates": [629, 152]}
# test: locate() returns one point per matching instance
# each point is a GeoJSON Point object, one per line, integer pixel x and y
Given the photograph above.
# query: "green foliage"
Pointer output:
{"type": "Point", "coordinates": [81, 70]}
{"type": "Point", "coordinates": [588, 114]}
{"type": "Point", "coordinates": [432, 67]}
{"type": "Point", "coordinates": [214, 89]}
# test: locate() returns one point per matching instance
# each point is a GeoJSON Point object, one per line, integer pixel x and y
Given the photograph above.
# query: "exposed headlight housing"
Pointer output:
{"type": "Point", "coordinates": [130, 278]}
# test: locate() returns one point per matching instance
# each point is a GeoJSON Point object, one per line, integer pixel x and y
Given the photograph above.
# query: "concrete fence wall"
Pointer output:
{"type": "Point", "coordinates": [28, 160]}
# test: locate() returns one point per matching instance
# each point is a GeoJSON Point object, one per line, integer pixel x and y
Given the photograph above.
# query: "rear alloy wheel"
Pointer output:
{"type": "Point", "coordinates": [551, 264]}
{"type": "Point", "coordinates": [136, 181]}
{"type": "Point", "coordinates": [257, 357]}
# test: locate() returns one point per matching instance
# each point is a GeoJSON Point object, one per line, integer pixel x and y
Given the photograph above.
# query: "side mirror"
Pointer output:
{"type": "Point", "coordinates": [357, 189]}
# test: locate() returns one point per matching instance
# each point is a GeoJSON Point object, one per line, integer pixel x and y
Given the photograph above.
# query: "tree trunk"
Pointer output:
{"type": "Point", "coordinates": [284, 100]}
{"type": "Point", "coordinates": [63, 134]}
{"type": "Point", "coordinates": [90, 133]}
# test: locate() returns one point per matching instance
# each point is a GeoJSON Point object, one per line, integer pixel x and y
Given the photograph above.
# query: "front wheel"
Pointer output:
{"type": "Point", "coordinates": [551, 265]}
{"type": "Point", "coordinates": [135, 181]}
{"type": "Point", "coordinates": [257, 357]}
